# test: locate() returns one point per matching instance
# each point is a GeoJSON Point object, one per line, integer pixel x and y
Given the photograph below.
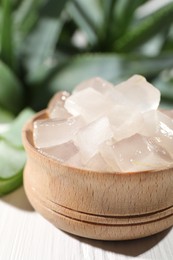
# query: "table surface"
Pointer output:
{"type": "Point", "coordinates": [26, 235]}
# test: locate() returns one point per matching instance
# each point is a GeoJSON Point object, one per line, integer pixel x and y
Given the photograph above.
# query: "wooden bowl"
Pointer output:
{"type": "Point", "coordinates": [106, 206]}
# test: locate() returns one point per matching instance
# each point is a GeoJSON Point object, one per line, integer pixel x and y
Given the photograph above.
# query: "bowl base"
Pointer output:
{"type": "Point", "coordinates": [100, 227]}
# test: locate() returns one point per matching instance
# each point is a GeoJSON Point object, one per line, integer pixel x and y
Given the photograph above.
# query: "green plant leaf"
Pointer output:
{"type": "Point", "coordinates": [153, 46]}
{"type": "Point", "coordinates": [124, 11]}
{"type": "Point", "coordinates": [145, 29]}
{"type": "Point", "coordinates": [12, 154]}
{"type": "Point", "coordinates": [10, 184]}
{"type": "Point", "coordinates": [168, 40]}
{"type": "Point", "coordinates": [13, 134]}
{"type": "Point", "coordinates": [88, 17]}
{"type": "Point", "coordinates": [111, 67]}
{"type": "Point", "coordinates": [108, 32]}
{"type": "Point", "coordinates": [11, 160]}
{"type": "Point", "coordinates": [16, 3]}
{"type": "Point", "coordinates": [6, 34]}
{"type": "Point", "coordinates": [11, 93]}
{"type": "Point", "coordinates": [118, 16]}
{"type": "Point", "coordinates": [164, 82]}
{"type": "Point", "coordinates": [41, 42]}
{"type": "Point", "coordinates": [107, 7]}
{"type": "Point", "coordinates": [25, 16]}
{"type": "Point", "coordinates": [5, 116]}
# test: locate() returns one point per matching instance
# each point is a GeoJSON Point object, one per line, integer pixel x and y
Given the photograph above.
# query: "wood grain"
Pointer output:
{"type": "Point", "coordinates": [97, 205]}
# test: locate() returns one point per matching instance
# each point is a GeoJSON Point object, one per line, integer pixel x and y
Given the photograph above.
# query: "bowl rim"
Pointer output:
{"type": "Point", "coordinates": [28, 145]}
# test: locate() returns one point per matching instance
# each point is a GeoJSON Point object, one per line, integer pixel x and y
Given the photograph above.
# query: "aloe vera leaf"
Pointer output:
{"type": "Point", "coordinates": [107, 7]}
{"type": "Point", "coordinates": [109, 66]}
{"type": "Point", "coordinates": [10, 184]}
{"type": "Point", "coordinates": [147, 28]}
{"type": "Point", "coordinates": [25, 17]}
{"type": "Point", "coordinates": [41, 42]}
{"type": "Point", "coordinates": [12, 154]}
{"type": "Point", "coordinates": [109, 29]}
{"type": "Point", "coordinates": [164, 82]}
{"type": "Point", "coordinates": [88, 17]}
{"type": "Point", "coordinates": [11, 92]}
{"type": "Point", "coordinates": [22, 13]}
{"type": "Point", "coordinates": [7, 54]}
{"type": "Point", "coordinates": [124, 11]}
{"type": "Point", "coordinates": [12, 160]}
{"type": "Point", "coordinates": [5, 116]}
{"type": "Point", "coordinates": [168, 40]}
{"type": "Point", "coordinates": [13, 134]}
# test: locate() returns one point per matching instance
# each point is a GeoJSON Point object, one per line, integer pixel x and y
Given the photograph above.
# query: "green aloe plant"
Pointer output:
{"type": "Point", "coordinates": [40, 54]}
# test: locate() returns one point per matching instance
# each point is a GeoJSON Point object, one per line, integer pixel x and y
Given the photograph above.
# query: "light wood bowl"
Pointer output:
{"type": "Point", "coordinates": [106, 206]}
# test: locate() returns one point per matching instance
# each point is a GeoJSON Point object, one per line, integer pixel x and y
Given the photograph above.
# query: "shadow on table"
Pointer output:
{"type": "Point", "coordinates": [18, 199]}
{"type": "Point", "coordinates": [129, 247]}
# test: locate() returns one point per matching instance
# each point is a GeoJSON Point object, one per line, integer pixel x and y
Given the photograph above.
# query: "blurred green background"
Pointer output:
{"type": "Point", "coordinates": [47, 46]}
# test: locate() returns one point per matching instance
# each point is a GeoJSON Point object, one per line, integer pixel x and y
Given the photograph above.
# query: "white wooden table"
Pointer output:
{"type": "Point", "coordinates": [25, 235]}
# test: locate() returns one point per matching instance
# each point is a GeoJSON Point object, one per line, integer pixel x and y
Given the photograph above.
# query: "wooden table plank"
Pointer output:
{"type": "Point", "coordinates": [26, 235]}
